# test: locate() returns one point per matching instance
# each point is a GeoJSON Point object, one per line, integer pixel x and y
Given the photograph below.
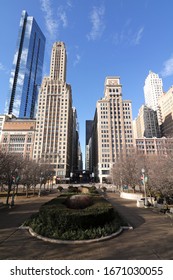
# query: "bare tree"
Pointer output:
{"type": "Point", "coordinates": [158, 172]}
{"type": "Point", "coordinates": [13, 167]}
{"type": "Point", "coordinates": [27, 174]}
{"type": "Point", "coordinates": [127, 170]}
{"type": "Point", "coordinates": [10, 164]}
{"type": "Point", "coordinates": [160, 175]}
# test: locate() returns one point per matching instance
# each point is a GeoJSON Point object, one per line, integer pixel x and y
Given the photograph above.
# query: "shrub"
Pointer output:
{"type": "Point", "coordinates": [56, 220]}
{"type": "Point", "coordinates": [60, 188]}
{"type": "Point", "coordinates": [93, 189]}
{"type": "Point", "coordinates": [104, 189]}
{"type": "Point", "coordinates": [72, 189]}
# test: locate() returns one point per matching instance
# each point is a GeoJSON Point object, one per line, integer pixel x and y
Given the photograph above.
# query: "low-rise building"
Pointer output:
{"type": "Point", "coordinates": [17, 136]}
{"type": "Point", "coordinates": [154, 146]}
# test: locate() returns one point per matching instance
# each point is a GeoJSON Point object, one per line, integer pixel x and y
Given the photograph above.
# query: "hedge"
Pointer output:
{"type": "Point", "coordinates": [56, 220]}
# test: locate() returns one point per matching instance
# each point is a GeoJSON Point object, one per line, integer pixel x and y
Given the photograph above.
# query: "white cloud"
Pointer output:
{"type": "Point", "coordinates": [167, 67]}
{"type": "Point", "coordinates": [137, 37]}
{"type": "Point", "coordinates": [54, 17]}
{"type": "Point", "coordinates": [62, 16]}
{"type": "Point", "coordinates": [2, 67]}
{"type": "Point", "coordinates": [50, 21]}
{"type": "Point", "coordinates": [77, 59]}
{"type": "Point", "coordinates": [127, 36]}
{"type": "Point", "coordinates": [69, 3]}
{"type": "Point", "coordinates": [24, 55]}
{"type": "Point", "coordinates": [97, 21]}
{"type": "Point", "coordinates": [20, 79]}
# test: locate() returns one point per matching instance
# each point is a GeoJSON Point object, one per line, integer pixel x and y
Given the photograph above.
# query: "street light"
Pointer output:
{"type": "Point", "coordinates": [92, 176]}
{"type": "Point", "coordinates": [14, 180]}
{"type": "Point", "coordinates": [41, 178]}
{"type": "Point", "coordinates": [71, 176]}
{"type": "Point", "coordinates": [145, 194]}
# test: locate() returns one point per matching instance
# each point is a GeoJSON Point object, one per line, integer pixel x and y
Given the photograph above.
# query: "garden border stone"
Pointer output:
{"type": "Point", "coordinates": [59, 241]}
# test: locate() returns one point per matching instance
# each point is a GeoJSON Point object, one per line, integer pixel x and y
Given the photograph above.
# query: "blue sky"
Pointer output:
{"type": "Point", "coordinates": [125, 38]}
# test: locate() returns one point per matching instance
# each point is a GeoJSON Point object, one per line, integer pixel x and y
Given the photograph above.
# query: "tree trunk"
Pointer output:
{"type": "Point", "coordinates": [27, 188]}
{"type": "Point", "coordinates": [8, 193]}
{"type": "Point", "coordinates": [17, 188]}
{"type": "Point", "coordinates": [34, 189]}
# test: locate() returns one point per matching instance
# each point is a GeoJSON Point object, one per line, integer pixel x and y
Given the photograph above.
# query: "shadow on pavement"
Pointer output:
{"type": "Point", "coordinates": [129, 212]}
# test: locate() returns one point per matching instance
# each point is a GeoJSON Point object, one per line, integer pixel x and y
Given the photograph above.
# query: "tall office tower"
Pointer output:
{"type": "Point", "coordinates": [89, 127]}
{"type": "Point", "coordinates": [54, 121]}
{"type": "Point", "coordinates": [146, 123]}
{"type": "Point", "coordinates": [153, 88]}
{"type": "Point", "coordinates": [80, 160]}
{"type": "Point", "coordinates": [26, 71]}
{"type": "Point", "coordinates": [75, 141]}
{"type": "Point", "coordinates": [112, 130]}
{"type": "Point", "coordinates": [165, 103]}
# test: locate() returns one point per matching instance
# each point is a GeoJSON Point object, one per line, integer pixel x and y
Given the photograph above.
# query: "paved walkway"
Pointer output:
{"type": "Point", "coordinates": [152, 237]}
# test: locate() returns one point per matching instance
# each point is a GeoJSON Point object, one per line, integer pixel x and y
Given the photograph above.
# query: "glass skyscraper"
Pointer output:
{"type": "Point", "coordinates": [26, 74]}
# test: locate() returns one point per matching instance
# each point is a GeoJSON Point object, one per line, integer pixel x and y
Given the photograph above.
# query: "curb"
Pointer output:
{"type": "Point", "coordinates": [58, 241]}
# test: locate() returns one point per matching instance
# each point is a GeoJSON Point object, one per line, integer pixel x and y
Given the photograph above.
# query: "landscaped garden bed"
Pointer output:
{"type": "Point", "coordinates": [76, 217]}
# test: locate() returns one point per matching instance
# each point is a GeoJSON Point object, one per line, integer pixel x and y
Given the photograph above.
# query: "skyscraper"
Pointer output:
{"type": "Point", "coordinates": [165, 103]}
{"type": "Point", "coordinates": [75, 142]}
{"type": "Point", "coordinates": [26, 71]}
{"type": "Point", "coordinates": [54, 120]}
{"type": "Point", "coordinates": [153, 88]}
{"type": "Point", "coordinates": [146, 123]}
{"type": "Point", "coordinates": [112, 129]}
{"type": "Point", "coordinates": [89, 127]}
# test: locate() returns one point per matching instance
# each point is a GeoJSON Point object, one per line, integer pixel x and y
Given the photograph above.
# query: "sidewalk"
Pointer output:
{"type": "Point", "coordinates": [151, 238]}
{"type": "Point", "coordinates": [12, 218]}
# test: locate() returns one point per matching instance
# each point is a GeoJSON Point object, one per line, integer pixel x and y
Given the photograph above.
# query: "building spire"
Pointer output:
{"type": "Point", "coordinates": [58, 62]}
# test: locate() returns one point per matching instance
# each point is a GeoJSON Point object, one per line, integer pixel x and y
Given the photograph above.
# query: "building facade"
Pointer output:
{"type": "Point", "coordinates": [165, 105]}
{"type": "Point", "coordinates": [154, 146]}
{"type": "Point", "coordinates": [153, 89]}
{"type": "Point", "coordinates": [88, 133]}
{"type": "Point", "coordinates": [3, 119]}
{"type": "Point", "coordinates": [54, 125]}
{"type": "Point", "coordinates": [112, 129]}
{"type": "Point", "coordinates": [80, 160]}
{"type": "Point", "coordinates": [26, 71]}
{"type": "Point", "coordinates": [75, 142]}
{"type": "Point", "coordinates": [18, 136]}
{"type": "Point", "coordinates": [146, 123]}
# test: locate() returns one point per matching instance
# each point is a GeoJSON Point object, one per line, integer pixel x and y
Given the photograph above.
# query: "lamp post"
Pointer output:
{"type": "Point", "coordinates": [13, 194]}
{"type": "Point", "coordinates": [41, 178]}
{"type": "Point", "coordinates": [92, 176]}
{"type": "Point", "coordinates": [71, 177]}
{"type": "Point", "coordinates": [145, 194]}
{"type": "Point", "coordinates": [15, 180]}
{"type": "Point", "coordinates": [51, 182]}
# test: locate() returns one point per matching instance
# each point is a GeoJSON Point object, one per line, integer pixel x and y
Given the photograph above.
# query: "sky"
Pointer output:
{"type": "Point", "coordinates": [125, 38]}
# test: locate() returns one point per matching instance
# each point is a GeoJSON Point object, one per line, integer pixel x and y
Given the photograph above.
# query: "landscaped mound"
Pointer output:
{"type": "Point", "coordinates": [57, 220]}
{"type": "Point", "coordinates": [78, 201]}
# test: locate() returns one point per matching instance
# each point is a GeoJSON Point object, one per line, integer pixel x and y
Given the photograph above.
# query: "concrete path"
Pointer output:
{"type": "Point", "coordinates": [151, 239]}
